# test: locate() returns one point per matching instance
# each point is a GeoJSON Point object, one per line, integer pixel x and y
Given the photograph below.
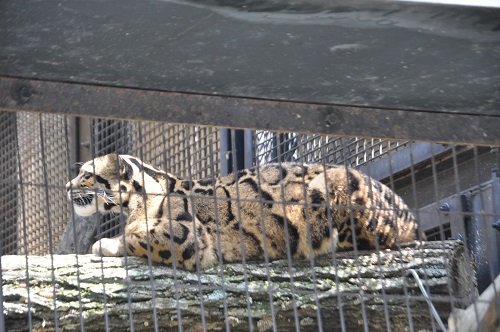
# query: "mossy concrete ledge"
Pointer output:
{"type": "Point", "coordinates": [69, 292]}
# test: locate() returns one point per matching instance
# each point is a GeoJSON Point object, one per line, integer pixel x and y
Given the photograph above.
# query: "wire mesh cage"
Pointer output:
{"type": "Point", "coordinates": [453, 191]}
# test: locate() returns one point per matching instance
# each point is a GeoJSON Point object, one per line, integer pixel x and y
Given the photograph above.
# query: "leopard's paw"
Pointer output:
{"type": "Point", "coordinates": [108, 247]}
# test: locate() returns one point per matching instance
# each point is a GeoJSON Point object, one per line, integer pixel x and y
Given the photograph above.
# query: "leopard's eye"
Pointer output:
{"type": "Point", "coordinates": [87, 175]}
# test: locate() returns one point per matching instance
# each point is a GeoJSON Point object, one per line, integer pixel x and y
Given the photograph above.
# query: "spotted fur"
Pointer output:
{"type": "Point", "coordinates": [274, 210]}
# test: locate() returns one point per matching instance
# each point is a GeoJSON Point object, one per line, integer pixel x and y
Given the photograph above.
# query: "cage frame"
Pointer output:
{"type": "Point", "coordinates": [76, 97]}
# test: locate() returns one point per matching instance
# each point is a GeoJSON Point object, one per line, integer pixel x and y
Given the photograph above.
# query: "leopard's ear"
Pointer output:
{"type": "Point", "coordinates": [125, 169]}
{"type": "Point", "coordinates": [119, 166]}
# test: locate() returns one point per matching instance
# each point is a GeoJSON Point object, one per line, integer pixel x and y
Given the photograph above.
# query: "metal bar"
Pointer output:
{"type": "Point", "coordinates": [18, 94]}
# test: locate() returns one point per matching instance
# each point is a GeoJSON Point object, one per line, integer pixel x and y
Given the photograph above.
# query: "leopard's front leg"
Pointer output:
{"type": "Point", "coordinates": [166, 241]}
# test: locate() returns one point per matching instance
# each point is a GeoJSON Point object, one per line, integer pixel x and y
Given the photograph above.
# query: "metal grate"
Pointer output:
{"type": "Point", "coordinates": [41, 171]}
{"type": "Point", "coordinates": [354, 152]}
{"type": "Point", "coordinates": [9, 187]}
{"type": "Point", "coordinates": [347, 290]}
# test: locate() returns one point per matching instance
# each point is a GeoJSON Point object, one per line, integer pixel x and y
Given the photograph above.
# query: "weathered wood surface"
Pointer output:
{"type": "Point", "coordinates": [94, 293]}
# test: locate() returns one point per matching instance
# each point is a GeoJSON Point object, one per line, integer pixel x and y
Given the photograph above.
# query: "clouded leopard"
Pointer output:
{"type": "Point", "coordinates": [273, 210]}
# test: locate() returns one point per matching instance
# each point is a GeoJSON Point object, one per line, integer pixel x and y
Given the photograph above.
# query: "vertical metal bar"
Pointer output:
{"type": "Point", "coordinates": [414, 182]}
{"type": "Point", "coordinates": [288, 249]}
{"type": "Point", "coordinates": [93, 149]}
{"type": "Point", "coordinates": [148, 242]}
{"type": "Point", "coordinates": [195, 235]}
{"type": "Point", "coordinates": [211, 154]}
{"type": "Point", "coordinates": [125, 254]}
{"type": "Point", "coordinates": [242, 243]}
{"type": "Point", "coordinates": [172, 250]}
{"type": "Point", "coordinates": [417, 216]}
{"type": "Point", "coordinates": [72, 220]}
{"type": "Point", "coordinates": [49, 220]}
{"type": "Point", "coordinates": [355, 247]}
{"type": "Point", "coordinates": [377, 248]}
{"type": "Point", "coordinates": [333, 248]}
{"type": "Point", "coordinates": [24, 224]}
{"type": "Point", "coordinates": [309, 240]}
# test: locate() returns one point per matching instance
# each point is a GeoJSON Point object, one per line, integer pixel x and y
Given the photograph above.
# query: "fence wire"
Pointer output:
{"type": "Point", "coordinates": [454, 192]}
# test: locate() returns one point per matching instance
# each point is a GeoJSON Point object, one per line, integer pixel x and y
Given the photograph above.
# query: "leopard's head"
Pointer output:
{"type": "Point", "coordinates": [103, 185]}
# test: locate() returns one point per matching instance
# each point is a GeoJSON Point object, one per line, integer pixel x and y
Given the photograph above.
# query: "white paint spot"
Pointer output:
{"type": "Point", "coordinates": [342, 48]}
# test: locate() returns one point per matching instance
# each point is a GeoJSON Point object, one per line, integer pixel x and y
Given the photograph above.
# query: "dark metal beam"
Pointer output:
{"type": "Point", "coordinates": [129, 103]}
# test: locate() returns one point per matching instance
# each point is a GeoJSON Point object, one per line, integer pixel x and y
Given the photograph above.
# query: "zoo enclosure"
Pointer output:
{"type": "Point", "coordinates": [387, 102]}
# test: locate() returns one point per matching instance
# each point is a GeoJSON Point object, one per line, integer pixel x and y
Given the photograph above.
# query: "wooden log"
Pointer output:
{"type": "Point", "coordinates": [73, 291]}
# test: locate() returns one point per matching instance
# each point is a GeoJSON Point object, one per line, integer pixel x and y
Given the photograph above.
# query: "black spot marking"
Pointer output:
{"type": "Point", "coordinates": [353, 182]}
{"type": "Point", "coordinates": [349, 238]}
{"type": "Point", "coordinates": [292, 232]}
{"type": "Point", "coordinates": [360, 201]}
{"type": "Point", "coordinates": [188, 252]}
{"type": "Point", "coordinates": [284, 173]}
{"type": "Point", "coordinates": [171, 184]}
{"type": "Point", "coordinates": [317, 199]}
{"type": "Point", "coordinates": [363, 244]}
{"type": "Point", "coordinates": [131, 248]}
{"type": "Point", "coordinates": [358, 231]}
{"type": "Point", "coordinates": [251, 182]}
{"type": "Point", "coordinates": [343, 235]}
{"type": "Point", "coordinates": [125, 204]}
{"type": "Point", "coordinates": [322, 233]}
{"type": "Point", "coordinates": [137, 186]}
{"type": "Point", "coordinates": [208, 192]}
{"type": "Point", "coordinates": [241, 173]}
{"type": "Point", "coordinates": [381, 238]}
{"type": "Point", "coordinates": [159, 213]}
{"type": "Point", "coordinates": [372, 225]}
{"type": "Point", "coordinates": [254, 239]}
{"type": "Point", "coordinates": [184, 200]}
{"type": "Point", "coordinates": [206, 182]}
{"type": "Point", "coordinates": [267, 199]}
{"type": "Point", "coordinates": [184, 216]}
{"type": "Point", "coordinates": [144, 255]}
{"type": "Point", "coordinates": [102, 181]}
{"type": "Point", "coordinates": [176, 239]}
{"type": "Point", "coordinates": [144, 245]}
{"type": "Point", "coordinates": [389, 223]}
{"type": "Point", "coordinates": [230, 215]}
{"type": "Point", "coordinates": [388, 197]}
{"type": "Point", "coordinates": [152, 231]}
{"type": "Point", "coordinates": [123, 188]}
{"type": "Point", "coordinates": [187, 185]}
{"type": "Point", "coordinates": [165, 254]}
{"type": "Point", "coordinates": [126, 170]}
{"type": "Point", "coordinates": [155, 174]}
{"type": "Point", "coordinates": [108, 206]}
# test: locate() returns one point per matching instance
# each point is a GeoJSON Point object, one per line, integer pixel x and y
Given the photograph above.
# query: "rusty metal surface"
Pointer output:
{"type": "Point", "coordinates": [388, 54]}
{"type": "Point", "coordinates": [124, 103]}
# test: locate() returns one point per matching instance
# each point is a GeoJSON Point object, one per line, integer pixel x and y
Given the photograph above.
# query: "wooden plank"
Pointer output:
{"type": "Point", "coordinates": [201, 109]}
